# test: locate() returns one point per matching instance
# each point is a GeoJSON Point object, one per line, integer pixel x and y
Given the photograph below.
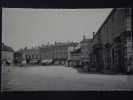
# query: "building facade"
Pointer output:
{"type": "Point", "coordinates": [7, 54]}
{"type": "Point", "coordinates": [62, 53]}
{"type": "Point", "coordinates": [32, 55]}
{"type": "Point", "coordinates": [112, 44]}
{"type": "Point", "coordinates": [75, 58]}
{"type": "Point", "coordinates": [47, 52]}
{"type": "Point", "coordinates": [85, 52]}
{"type": "Point", "coordinates": [59, 53]}
{"type": "Point", "coordinates": [18, 56]}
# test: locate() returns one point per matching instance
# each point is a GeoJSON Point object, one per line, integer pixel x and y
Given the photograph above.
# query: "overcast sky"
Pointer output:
{"type": "Point", "coordinates": [34, 27]}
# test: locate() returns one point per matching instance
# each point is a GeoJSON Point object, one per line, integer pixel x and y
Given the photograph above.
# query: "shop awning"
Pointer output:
{"type": "Point", "coordinates": [9, 61]}
{"type": "Point", "coordinates": [23, 61]}
{"type": "Point", "coordinates": [33, 61]}
{"type": "Point", "coordinates": [46, 61]}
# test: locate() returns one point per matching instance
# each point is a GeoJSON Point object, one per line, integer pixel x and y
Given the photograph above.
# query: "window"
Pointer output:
{"type": "Point", "coordinates": [32, 56]}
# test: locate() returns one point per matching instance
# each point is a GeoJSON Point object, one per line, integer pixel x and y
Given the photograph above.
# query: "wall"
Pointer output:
{"type": "Point", "coordinates": [7, 55]}
{"type": "Point", "coordinates": [70, 48]}
{"type": "Point", "coordinates": [75, 56]}
{"type": "Point", "coordinates": [84, 50]}
{"type": "Point", "coordinates": [33, 53]}
{"type": "Point", "coordinates": [115, 25]}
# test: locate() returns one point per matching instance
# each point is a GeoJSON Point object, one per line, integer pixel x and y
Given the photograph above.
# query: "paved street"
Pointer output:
{"type": "Point", "coordinates": [60, 78]}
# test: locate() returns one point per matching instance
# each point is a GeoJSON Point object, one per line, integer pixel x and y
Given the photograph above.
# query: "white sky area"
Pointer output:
{"type": "Point", "coordinates": [34, 27]}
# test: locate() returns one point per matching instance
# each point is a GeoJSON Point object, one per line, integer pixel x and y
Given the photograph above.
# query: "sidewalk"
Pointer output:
{"type": "Point", "coordinates": [93, 71]}
{"type": "Point", "coordinates": [111, 72]}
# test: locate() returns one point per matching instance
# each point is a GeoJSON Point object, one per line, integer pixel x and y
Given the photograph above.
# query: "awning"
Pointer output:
{"type": "Point", "coordinates": [9, 61]}
{"type": "Point", "coordinates": [33, 61]}
{"type": "Point", "coordinates": [24, 61]}
{"type": "Point", "coordinates": [46, 61]}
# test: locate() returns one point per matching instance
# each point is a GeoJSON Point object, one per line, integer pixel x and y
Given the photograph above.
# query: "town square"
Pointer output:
{"type": "Point", "coordinates": [62, 78]}
{"type": "Point", "coordinates": [67, 49]}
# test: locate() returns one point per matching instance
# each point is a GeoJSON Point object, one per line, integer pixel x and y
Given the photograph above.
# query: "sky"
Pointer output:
{"type": "Point", "coordinates": [33, 27]}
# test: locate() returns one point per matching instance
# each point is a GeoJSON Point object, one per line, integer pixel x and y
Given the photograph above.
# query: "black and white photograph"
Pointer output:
{"type": "Point", "coordinates": [66, 49]}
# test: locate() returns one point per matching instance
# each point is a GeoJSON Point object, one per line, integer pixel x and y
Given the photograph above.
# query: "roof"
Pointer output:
{"type": "Point", "coordinates": [85, 40]}
{"type": "Point", "coordinates": [32, 49]}
{"type": "Point", "coordinates": [19, 51]}
{"type": "Point", "coordinates": [7, 48]}
{"type": "Point", "coordinates": [106, 20]}
{"type": "Point", "coordinates": [76, 51]}
{"type": "Point", "coordinates": [61, 44]}
{"type": "Point", "coordinates": [46, 46]}
{"type": "Point", "coordinates": [66, 44]}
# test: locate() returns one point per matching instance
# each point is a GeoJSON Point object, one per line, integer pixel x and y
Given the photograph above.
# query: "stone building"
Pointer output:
{"type": "Point", "coordinates": [85, 51]}
{"type": "Point", "coordinates": [47, 52]}
{"type": "Point", "coordinates": [59, 53]}
{"type": "Point", "coordinates": [75, 58]}
{"type": "Point", "coordinates": [32, 55]}
{"type": "Point", "coordinates": [7, 54]}
{"type": "Point", "coordinates": [18, 56]}
{"type": "Point", "coordinates": [112, 43]}
{"type": "Point", "coordinates": [62, 52]}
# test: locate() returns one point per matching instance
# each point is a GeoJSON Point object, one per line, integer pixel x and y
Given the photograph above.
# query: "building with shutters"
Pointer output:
{"type": "Point", "coordinates": [75, 58]}
{"type": "Point", "coordinates": [33, 55]}
{"type": "Point", "coordinates": [18, 56]}
{"type": "Point", "coordinates": [85, 52]}
{"type": "Point", "coordinates": [7, 55]}
{"type": "Point", "coordinates": [59, 52]}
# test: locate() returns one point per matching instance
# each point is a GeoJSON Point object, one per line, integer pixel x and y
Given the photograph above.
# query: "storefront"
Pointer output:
{"type": "Point", "coordinates": [60, 61]}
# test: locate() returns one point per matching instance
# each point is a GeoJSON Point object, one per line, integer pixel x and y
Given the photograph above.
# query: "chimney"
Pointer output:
{"type": "Point", "coordinates": [35, 47]}
{"type": "Point", "coordinates": [84, 37]}
{"type": "Point", "coordinates": [32, 47]}
{"type": "Point", "coordinates": [25, 48]}
{"type": "Point", "coordinates": [48, 43]}
{"type": "Point", "coordinates": [93, 34]}
{"type": "Point", "coordinates": [55, 43]}
{"type": "Point", "coordinates": [68, 41]}
{"type": "Point", "coordinates": [42, 45]}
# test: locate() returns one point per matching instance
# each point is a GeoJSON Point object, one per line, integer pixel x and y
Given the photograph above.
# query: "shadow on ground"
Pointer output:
{"type": "Point", "coordinates": [93, 71]}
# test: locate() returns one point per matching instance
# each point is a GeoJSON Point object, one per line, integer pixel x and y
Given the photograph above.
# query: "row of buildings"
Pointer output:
{"type": "Point", "coordinates": [59, 53]}
{"type": "Point", "coordinates": [110, 47]}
